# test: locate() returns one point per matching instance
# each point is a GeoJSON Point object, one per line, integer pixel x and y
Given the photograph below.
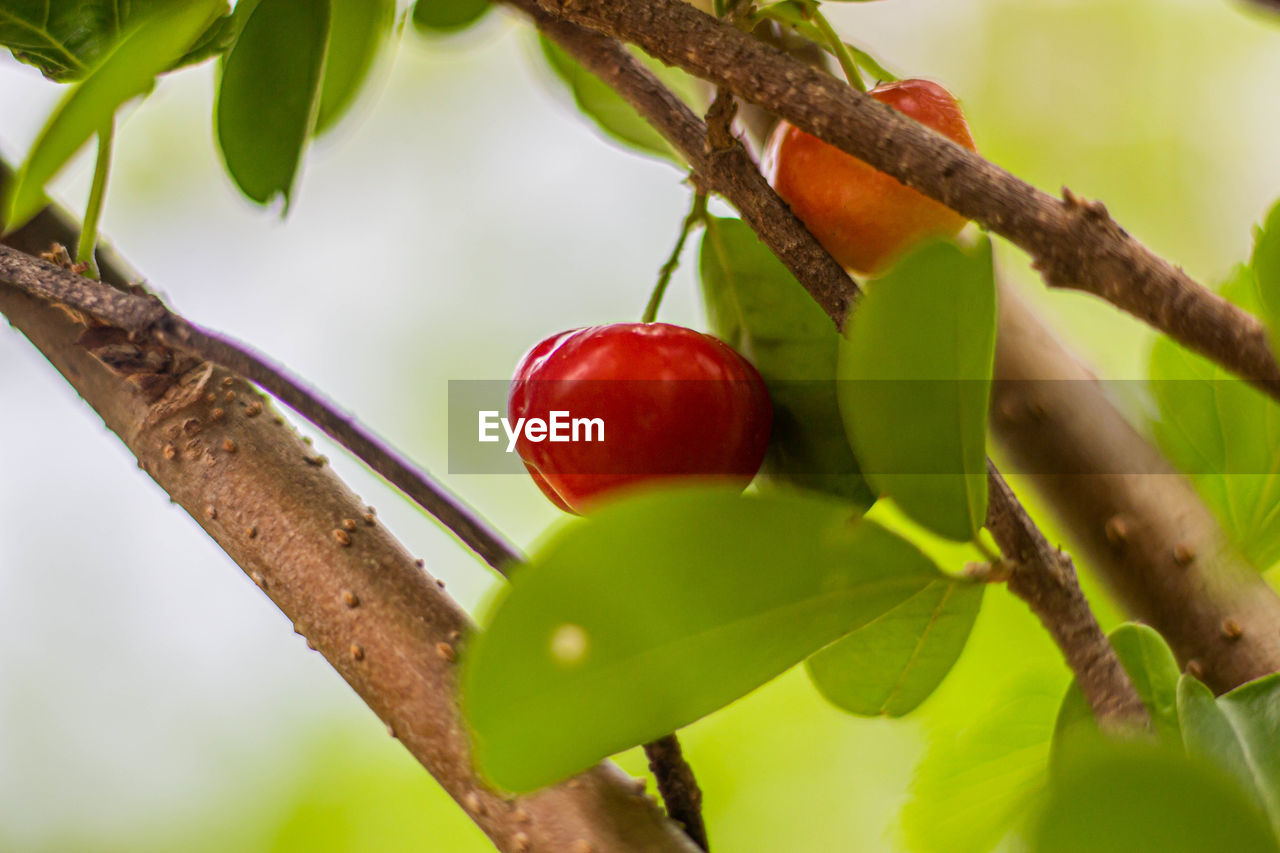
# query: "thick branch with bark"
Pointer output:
{"type": "Point", "coordinates": [213, 444]}
{"type": "Point", "coordinates": [1045, 578]}
{"type": "Point", "coordinates": [1074, 243]}
{"type": "Point", "coordinates": [1139, 523]}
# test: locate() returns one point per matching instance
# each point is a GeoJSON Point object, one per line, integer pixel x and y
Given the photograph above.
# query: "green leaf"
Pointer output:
{"type": "Point", "coordinates": [1266, 270]}
{"type": "Point", "coordinates": [607, 109]}
{"type": "Point", "coordinates": [756, 306]}
{"type": "Point", "coordinates": [976, 781]}
{"type": "Point", "coordinates": [661, 608]}
{"type": "Point", "coordinates": [447, 16]}
{"type": "Point", "coordinates": [214, 41]}
{"type": "Point", "coordinates": [797, 15]}
{"type": "Point", "coordinates": [1154, 672]}
{"type": "Point", "coordinates": [269, 93]}
{"type": "Point", "coordinates": [127, 71]}
{"type": "Point", "coordinates": [1126, 796]}
{"type": "Point", "coordinates": [891, 664]}
{"type": "Point", "coordinates": [915, 377]}
{"type": "Point", "coordinates": [1240, 731]}
{"type": "Point", "coordinates": [1224, 435]}
{"type": "Point", "coordinates": [360, 28]}
{"type": "Point", "coordinates": [65, 39]}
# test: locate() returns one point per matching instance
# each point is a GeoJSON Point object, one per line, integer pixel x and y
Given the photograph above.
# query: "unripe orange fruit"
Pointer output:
{"type": "Point", "coordinates": [862, 216]}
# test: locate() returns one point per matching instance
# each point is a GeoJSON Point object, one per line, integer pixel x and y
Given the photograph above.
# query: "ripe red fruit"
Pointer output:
{"type": "Point", "coordinates": [673, 402]}
{"type": "Point", "coordinates": [863, 217]}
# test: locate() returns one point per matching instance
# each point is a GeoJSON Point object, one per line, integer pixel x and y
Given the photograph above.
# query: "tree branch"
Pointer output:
{"type": "Point", "coordinates": [1074, 243]}
{"type": "Point", "coordinates": [211, 442]}
{"type": "Point", "coordinates": [144, 315]}
{"type": "Point", "coordinates": [1138, 522]}
{"type": "Point", "coordinates": [1045, 577]}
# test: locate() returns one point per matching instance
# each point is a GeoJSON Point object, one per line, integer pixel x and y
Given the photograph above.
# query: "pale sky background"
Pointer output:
{"type": "Point", "coordinates": [465, 212]}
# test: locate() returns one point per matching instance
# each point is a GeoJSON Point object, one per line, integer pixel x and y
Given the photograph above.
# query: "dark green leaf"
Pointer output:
{"type": "Point", "coordinates": [269, 93]}
{"type": "Point", "coordinates": [1240, 731]}
{"type": "Point", "coordinates": [1154, 672]}
{"type": "Point", "coordinates": [890, 665]}
{"type": "Point", "coordinates": [447, 16]}
{"type": "Point", "coordinates": [127, 71]}
{"type": "Point", "coordinates": [1127, 796]}
{"type": "Point", "coordinates": [1225, 435]}
{"type": "Point", "coordinates": [360, 28]}
{"type": "Point", "coordinates": [67, 38]}
{"type": "Point", "coordinates": [661, 608]}
{"type": "Point", "coordinates": [607, 109]}
{"type": "Point", "coordinates": [1266, 270]}
{"type": "Point", "coordinates": [915, 377]}
{"type": "Point", "coordinates": [756, 305]}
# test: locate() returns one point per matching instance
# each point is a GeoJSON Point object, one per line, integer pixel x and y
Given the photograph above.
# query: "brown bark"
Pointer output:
{"type": "Point", "coordinates": [1139, 523]}
{"type": "Point", "coordinates": [215, 446]}
{"type": "Point", "coordinates": [1074, 243]}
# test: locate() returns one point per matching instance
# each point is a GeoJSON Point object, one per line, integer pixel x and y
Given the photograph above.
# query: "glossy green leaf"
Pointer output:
{"type": "Point", "coordinates": [1224, 435]}
{"type": "Point", "coordinates": [127, 71]}
{"type": "Point", "coordinates": [607, 109]}
{"type": "Point", "coordinates": [1240, 731]}
{"type": "Point", "coordinates": [1266, 270]}
{"type": "Point", "coordinates": [893, 663]}
{"type": "Point", "coordinates": [360, 29]}
{"type": "Point", "coordinates": [66, 39]}
{"type": "Point", "coordinates": [977, 780]}
{"type": "Point", "coordinates": [447, 16]}
{"type": "Point", "coordinates": [1126, 796]}
{"type": "Point", "coordinates": [756, 305]}
{"type": "Point", "coordinates": [1154, 672]}
{"type": "Point", "coordinates": [915, 377]}
{"type": "Point", "coordinates": [661, 608]}
{"type": "Point", "coordinates": [269, 93]}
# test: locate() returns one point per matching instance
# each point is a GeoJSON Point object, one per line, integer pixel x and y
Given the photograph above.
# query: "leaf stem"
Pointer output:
{"type": "Point", "coordinates": [697, 213]}
{"type": "Point", "coordinates": [86, 250]}
{"type": "Point", "coordinates": [993, 556]}
{"type": "Point", "coordinates": [841, 50]}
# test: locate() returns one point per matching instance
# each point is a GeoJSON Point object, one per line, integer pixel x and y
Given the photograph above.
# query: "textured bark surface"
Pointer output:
{"type": "Point", "coordinates": [1148, 534]}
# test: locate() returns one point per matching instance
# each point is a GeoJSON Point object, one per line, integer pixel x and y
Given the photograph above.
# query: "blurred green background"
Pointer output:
{"type": "Point", "coordinates": [152, 699]}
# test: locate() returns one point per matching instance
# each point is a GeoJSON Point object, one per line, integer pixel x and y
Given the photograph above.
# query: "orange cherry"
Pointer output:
{"type": "Point", "coordinates": [865, 218]}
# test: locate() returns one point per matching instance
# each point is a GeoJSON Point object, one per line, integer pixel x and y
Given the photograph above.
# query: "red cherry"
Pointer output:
{"type": "Point", "coordinates": [674, 403]}
{"type": "Point", "coordinates": [863, 217]}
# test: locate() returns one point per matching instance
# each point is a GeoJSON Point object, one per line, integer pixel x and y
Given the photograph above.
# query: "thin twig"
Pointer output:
{"type": "Point", "coordinates": [678, 787]}
{"type": "Point", "coordinates": [1045, 578]}
{"type": "Point", "coordinates": [697, 213]}
{"type": "Point", "coordinates": [1074, 243]}
{"type": "Point", "coordinates": [722, 165]}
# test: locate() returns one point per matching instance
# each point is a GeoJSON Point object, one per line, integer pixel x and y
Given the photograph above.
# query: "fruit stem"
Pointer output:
{"type": "Point", "coordinates": [86, 250]}
{"type": "Point", "coordinates": [697, 214]}
{"type": "Point", "coordinates": [841, 51]}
